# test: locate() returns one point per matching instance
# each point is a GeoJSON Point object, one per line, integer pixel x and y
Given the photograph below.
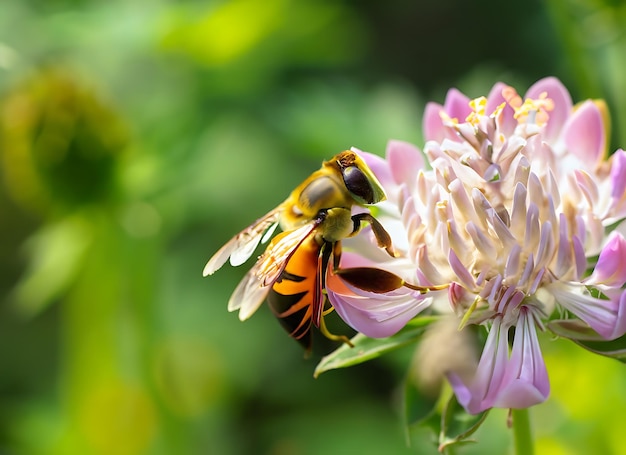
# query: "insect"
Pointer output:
{"type": "Point", "coordinates": [314, 219]}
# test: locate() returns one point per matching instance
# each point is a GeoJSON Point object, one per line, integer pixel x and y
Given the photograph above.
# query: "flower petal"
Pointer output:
{"type": "Point", "coordinates": [480, 394]}
{"type": "Point", "coordinates": [405, 160]}
{"type": "Point", "coordinates": [457, 105]}
{"type": "Point", "coordinates": [606, 317]}
{"type": "Point", "coordinates": [618, 173]}
{"type": "Point", "coordinates": [506, 119]}
{"type": "Point", "coordinates": [434, 130]}
{"type": "Point", "coordinates": [525, 382]}
{"type": "Point", "coordinates": [562, 104]}
{"type": "Point", "coordinates": [585, 136]}
{"type": "Point", "coordinates": [374, 315]}
{"type": "Point", "coordinates": [610, 270]}
{"type": "Point", "coordinates": [516, 382]}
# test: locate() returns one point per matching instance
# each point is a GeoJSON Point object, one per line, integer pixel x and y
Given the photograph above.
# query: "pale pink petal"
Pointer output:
{"type": "Point", "coordinates": [495, 97]}
{"type": "Point", "coordinates": [562, 104]}
{"type": "Point", "coordinates": [481, 393]}
{"type": "Point", "coordinates": [518, 381]}
{"type": "Point", "coordinates": [459, 297]}
{"type": "Point", "coordinates": [375, 315]}
{"type": "Point", "coordinates": [585, 136]}
{"type": "Point", "coordinates": [525, 382]}
{"type": "Point", "coordinates": [606, 317]}
{"type": "Point", "coordinates": [464, 277]}
{"type": "Point", "coordinates": [617, 208]}
{"type": "Point", "coordinates": [405, 161]}
{"type": "Point", "coordinates": [618, 174]}
{"type": "Point", "coordinates": [610, 270]}
{"type": "Point", "coordinates": [457, 105]}
{"type": "Point", "coordinates": [506, 121]}
{"type": "Point", "coordinates": [620, 326]}
{"type": "Point", "coordinates": [432, 124]}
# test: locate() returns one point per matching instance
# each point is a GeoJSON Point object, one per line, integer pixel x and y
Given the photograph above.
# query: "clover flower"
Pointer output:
{"type": "Point", "coordinates": [510, 205]}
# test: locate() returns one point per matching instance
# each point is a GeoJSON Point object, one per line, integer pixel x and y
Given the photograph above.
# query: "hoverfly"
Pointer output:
{"type": "Point", "coordinates": [314, 219]}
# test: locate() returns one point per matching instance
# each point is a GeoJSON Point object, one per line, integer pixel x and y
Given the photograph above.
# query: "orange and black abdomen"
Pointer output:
{"type": "Point", "coordinates": [291, 298]}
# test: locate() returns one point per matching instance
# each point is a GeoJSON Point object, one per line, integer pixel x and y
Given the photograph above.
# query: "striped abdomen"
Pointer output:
{"type": "Point", "coordinates": [293, 296]}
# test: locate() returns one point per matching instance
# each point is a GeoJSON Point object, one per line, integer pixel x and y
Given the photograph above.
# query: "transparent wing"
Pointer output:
{"type": "Point", "coordinates": [241, 246]}
{"type": "Point", "coordinates": [252, 290]}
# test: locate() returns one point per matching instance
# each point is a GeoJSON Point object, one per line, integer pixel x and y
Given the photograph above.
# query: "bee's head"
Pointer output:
{"type": "Point", "coordinates": [359, 179]}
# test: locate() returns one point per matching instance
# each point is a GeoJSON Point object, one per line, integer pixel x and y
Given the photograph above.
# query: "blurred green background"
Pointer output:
{"type": "Point", "coordinates": [137, 137]}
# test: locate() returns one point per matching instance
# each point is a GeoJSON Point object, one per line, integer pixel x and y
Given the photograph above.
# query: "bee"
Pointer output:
{"type": "Point", "coordinates": [314, 219]}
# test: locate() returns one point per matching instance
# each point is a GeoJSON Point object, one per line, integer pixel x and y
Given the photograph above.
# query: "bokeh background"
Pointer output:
{"type": "Point", "coordinates": [137, 137]}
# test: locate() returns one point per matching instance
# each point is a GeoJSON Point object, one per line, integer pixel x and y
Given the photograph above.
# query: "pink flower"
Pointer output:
{"type": "Point", "coordinates": [375, 315]}
{"type": "Point", "coordinates": [516, 381]}
{"type": "Point", "coordinates": [509, 211]}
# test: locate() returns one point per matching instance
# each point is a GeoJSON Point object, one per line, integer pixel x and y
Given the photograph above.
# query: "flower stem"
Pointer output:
{"type": "Point", "coordinates": [521, 432]}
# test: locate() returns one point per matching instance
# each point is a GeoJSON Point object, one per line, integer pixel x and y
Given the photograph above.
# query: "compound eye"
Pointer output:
{"type": "Point", "coordinates": [358, 184]}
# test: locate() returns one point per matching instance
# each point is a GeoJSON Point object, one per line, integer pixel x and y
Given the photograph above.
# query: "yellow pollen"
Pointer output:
{"type": "Point", "coordinates": [496, 112]}
{"type": "Point", "coordinates": [531, 110]}
{"type": "Point", "coordinates": [478, 106]}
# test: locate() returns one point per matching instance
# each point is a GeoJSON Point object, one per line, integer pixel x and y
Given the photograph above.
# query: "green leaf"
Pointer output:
{"type": "Point", "coordinates": [365, 348]}
{"type": "Point", "coordinates": [573, 329]}
{"type": "Point", "coordinates": [450, 424]}
{"type": "Point", "coordinates": [457, 425]}
{"type": "Point", "coordinates": [587, 338]}
{"type": "Point", "coordinates": [615, 349]}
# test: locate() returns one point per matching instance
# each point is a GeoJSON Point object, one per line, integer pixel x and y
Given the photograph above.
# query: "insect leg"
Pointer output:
{"type": "Point", "coordinates": [370, 278]}
{"type": "Point", "coordinates": [379, 281]}
{"type": "Point", "coordinates": [332, 336]}
{"type": "Point", "coordinates": [327, 251]}
{"type": "Point", "coordinates": [319, 297]}
{"type": "Point", "coordinates": [382, 236]}
{"type": "Point", "coordinates": [336, 255]}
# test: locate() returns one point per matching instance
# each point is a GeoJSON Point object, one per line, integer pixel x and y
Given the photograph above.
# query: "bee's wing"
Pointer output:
{"type": "Point", "coordinates": [241, 246]}
{"type": "Point", "coordinates": [252, 290]}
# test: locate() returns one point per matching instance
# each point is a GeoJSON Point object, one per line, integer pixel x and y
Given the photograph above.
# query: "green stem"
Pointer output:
{"type": "Point", "coordinates": [521, 432]}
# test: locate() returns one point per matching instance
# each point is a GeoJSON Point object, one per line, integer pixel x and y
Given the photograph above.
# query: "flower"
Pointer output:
{"type": "Point", "coordinates": [510, 209]}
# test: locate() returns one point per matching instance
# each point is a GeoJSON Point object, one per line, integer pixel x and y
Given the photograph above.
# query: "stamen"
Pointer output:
{"type": "Point", "coordinates": [478, 106]}
{"type": "Point", "coordinates": [535, 111]}
{"type": "Point", "coordinates": [468, 313]}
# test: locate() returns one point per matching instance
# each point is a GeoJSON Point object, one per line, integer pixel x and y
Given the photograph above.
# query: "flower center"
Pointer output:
{"type": "Point", "coordinates": [533, 111]}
